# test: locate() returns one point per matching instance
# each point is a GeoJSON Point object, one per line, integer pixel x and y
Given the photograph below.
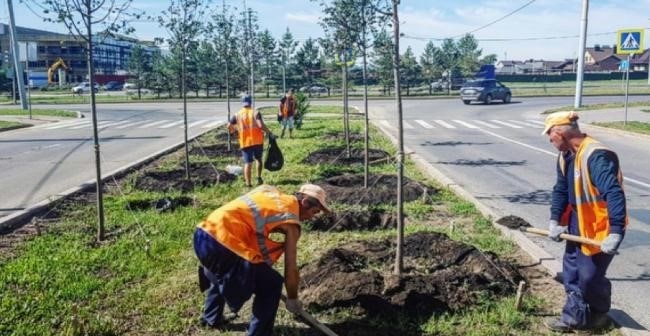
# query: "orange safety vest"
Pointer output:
{"type": "Point", "coordinates": [288, 107]}
{"type": "Point", "coordinates": [593, 218]}
{"type": "Point", "coordinates": [249, 133]}
{"type": "Point", "coordinates": [244, 225]}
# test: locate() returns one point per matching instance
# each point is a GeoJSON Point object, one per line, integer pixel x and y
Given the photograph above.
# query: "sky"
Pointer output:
{"type": "Point", "coordinates": [511, 29]}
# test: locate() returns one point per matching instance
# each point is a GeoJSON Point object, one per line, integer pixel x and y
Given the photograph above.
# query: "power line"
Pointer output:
{"type": "Point", "coordinates": [422, 38]}
{"type": "Point", "coordinates": [499, 19]}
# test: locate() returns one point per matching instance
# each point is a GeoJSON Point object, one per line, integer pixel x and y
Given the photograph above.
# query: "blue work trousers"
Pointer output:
{"type": "Point", "coordinates": [233, 281]}
{"type": "Point", "coordinates": [588, 290]}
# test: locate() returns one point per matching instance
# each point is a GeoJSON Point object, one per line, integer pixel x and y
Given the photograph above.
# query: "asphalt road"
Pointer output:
{"type": "Point", "coordinates": [495, 152]}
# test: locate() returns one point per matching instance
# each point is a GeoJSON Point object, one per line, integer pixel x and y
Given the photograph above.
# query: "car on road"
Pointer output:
{"type": "Point", "coordinates": [485, 90]}
{"type": "Point", "coordinates": [113, 86]}
{"type": "Point", "coordinates": [314, 89]}
{"type": "Point", "coordinates": [84, 88]}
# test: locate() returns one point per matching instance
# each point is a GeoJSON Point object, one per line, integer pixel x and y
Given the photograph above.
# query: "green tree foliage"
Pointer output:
{"type": "Point", "coordinates": [287, 49]}
{"type": "Point", "coordinates": [382, 59]}
{"type": "Point", "coordinates": [410, 70]}
{"type": "Point", "coordinates": [208, 63]}
{"type": "Point", "coordinates": [308, 59]}
{"type": "Point", "coordinates": [302, 107]}
{"type": "Point", "coordinates": [269, 60]}
{"type": "Point", "coordinates": [140, 67]}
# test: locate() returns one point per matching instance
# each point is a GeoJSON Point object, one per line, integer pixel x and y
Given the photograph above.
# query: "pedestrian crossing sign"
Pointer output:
{"type": "Point", "coordinates": [629, 41]}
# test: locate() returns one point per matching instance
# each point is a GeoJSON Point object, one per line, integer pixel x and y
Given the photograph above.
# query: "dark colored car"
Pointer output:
{"type": "Point", "coordinates": [113, 86]}
{"type": "Point", "coordinates": [485, 90]}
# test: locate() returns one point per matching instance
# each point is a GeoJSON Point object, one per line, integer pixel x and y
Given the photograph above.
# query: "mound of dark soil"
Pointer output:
{"type": "Point", "coordinates": [160, 205]}
{"type": "Point", "coordinates": [513, 222]}
{"type": "Point", "coordinates": [333, 136]}
{"type": "Point", "coordinates": [354, 220]}
{"type": "Point", "coordinates": [201, 175]}
{"type": "Point", "coordinates": [217, 150]}
{"type": "Point", "coordinates": [382, 189]}
{"type": "Point", "coordinates": [439, 275]}
{"type": "Point", "coordinates": [338, 155]}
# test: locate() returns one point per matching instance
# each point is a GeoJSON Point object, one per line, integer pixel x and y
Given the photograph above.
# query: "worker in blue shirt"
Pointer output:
{"type": "Point", "coordinates": [587, 201]}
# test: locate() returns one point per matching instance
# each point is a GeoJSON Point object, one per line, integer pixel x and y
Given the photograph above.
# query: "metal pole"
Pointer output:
{"type": "Point", "coordinates": [346, 120]}
{"type": "Point", "coordinates": [14, 45]}
{"type": "Point", "coordinates": [581, 54]}
{"type": "Point", "coordinates": [29, 84]}
{"type": "Point", "coordinates": [184, 88]}
{"type": "Point", "coordinates": [627, 86]}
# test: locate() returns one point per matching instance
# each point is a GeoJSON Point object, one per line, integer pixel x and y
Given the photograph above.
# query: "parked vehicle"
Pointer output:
{"type": "Point", "coordinates": [485, 90]}
{"type": "Point", "coordinates": [84, 88]}
{"type": "Point", "coordinates": [113, 86]}
{"type": "Point", "coordinates": [314, 89]}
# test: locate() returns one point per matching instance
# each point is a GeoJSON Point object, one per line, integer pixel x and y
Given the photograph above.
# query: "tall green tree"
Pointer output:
{"type": "Point", "coordinates": [140, 67]}
{"type": "Point", "coordinates": [208, 68]}
{"type": "Point", "coordinates": [286, 48]}
{"type": "Point", "coordinates": [269, 59]}
{"type": "Point", "coordinates": [183, 20]}
{"type": "Point", "coordinates": [410, 70]}
{"type": "Point", "coordinates": [83, 18]}
{"type": "Point", "coordinates": [469, 53]}
{"type": "Point", "coordinates": [382, 60]}
{"type": "Point", "coordinates": [308, 59]}
{"type": "Point", "coordinates": [430, 61]}
{"type": "Point", "coordinates": [249, 48]}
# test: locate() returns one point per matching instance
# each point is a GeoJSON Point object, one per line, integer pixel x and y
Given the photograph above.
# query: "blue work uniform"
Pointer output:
{"type": "Point", "coordinates": [587, 288]}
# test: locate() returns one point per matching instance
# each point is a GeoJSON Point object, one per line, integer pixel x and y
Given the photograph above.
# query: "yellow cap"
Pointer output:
{"type": "Point", "coordinates": [316, 192]}
{"type": "Point", "coordinates": [559, 118]}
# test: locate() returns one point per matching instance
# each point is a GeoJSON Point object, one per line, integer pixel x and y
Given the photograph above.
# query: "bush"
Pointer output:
{"type": "Point", "coordinates": [302, 105]}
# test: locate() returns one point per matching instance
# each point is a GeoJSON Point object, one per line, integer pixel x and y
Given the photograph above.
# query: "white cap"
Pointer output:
{"type": "Point", "coordinates": [316, 192]}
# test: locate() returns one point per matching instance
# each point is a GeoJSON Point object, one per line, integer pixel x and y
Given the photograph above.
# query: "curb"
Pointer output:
{"type": "Point", "coordinates": [540, 256]}
{"type": "Point", "coordinates": [20, 218]}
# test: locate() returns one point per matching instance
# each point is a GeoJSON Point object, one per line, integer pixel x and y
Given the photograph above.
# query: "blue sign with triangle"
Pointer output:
{"type": "Point", "coordinates": [629, 41]}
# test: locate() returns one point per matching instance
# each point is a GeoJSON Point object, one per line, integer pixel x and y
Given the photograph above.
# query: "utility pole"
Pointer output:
{"type": "Point", "coordinates": [581, 54]}
{"type": "Point", "coordinates": [17, 65]}
{"type": "Point", "coordinates": [29, 86]}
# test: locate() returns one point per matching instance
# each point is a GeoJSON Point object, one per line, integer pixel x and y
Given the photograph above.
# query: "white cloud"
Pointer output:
{"type": "Point", "coordinates": [302, 17]}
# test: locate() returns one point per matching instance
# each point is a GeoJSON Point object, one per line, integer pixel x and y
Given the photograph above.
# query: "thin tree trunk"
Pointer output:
{"type": "Point", "coordinates": [399, 263]}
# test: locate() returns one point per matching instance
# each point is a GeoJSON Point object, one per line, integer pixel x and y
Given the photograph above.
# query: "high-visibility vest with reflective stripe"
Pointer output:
{"type": "Point", "coordinates": [244, 224]}
{"type": "Point", "coordinates": [249, 133]}
{"type": "Point", "coordinates": [593, 217]}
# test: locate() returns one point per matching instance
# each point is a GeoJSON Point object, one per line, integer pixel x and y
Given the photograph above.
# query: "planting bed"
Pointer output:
{"type": "Point", "coordinates": [338, 155]}
{"type": "Point", "coordinates": [440, 275]}
{"type": "Point", "coordinates": [202, 174]}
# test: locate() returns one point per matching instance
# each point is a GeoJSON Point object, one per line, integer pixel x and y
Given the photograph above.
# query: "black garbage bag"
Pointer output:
{"type": "Point", "coordinates": [274, 159]}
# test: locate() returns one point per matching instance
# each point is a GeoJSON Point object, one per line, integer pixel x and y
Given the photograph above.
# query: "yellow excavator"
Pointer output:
{"type": "Point", "coordinates": [50, 72]}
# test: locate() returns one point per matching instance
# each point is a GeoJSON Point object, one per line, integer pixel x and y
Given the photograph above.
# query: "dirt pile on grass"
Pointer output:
{"type": "Point", "coordinates": [339, 155]}
{"type": "Point", "coordinates": [201, 175]}
{"type": "Point", "coordinates": [354, 220]}
{"type": "Point", "coordinates": [440, 275]}
{"type": "Point", "coordinates": [382, 189]}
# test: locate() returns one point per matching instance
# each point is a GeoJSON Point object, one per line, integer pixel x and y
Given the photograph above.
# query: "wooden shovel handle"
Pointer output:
{"type": "Point", "coordinates": [566, 236]}
{"type": "Point", "coordinates": [313, 321]}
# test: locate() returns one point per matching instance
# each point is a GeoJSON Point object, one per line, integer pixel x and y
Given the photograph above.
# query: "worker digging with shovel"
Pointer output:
{"type": "Point", "coordinates": [587, 201]}
{"type": "Point", "coordinates": [236, 253]}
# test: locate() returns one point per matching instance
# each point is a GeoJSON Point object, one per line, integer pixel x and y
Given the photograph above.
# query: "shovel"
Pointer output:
{"type": "Point", "coordinates": [312, 321]}
{"type": "Point", "coordinates": [515, 222]}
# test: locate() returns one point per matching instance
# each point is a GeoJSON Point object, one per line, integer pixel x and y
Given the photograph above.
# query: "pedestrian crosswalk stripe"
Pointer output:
{"type": "Point", "coordinates": [68, 124]}
{"type": "Point", "coordinates": [154, 123]}
{"type": "Point", "coordinates": [468, 125]}
{"type": "Point", "coordinates": [520, 122]}
{"type": "Point", "coordinates": [444, 124]}
{"type": "Point", "coordinates": [198, 122]}
{"type": "Point", "coordinates": [115, 123]}
{"type": "Point", "coordinates": [133, 124]}
{"type": "Point", "coordinates": [407, 125]}
{"type": "Point", "coordinates": [172, 124]}
{"type": "Point", "coordinates": [424, 124]}
{"type": "Point", "coordinates": [535, 121]}
{"type": "Point", "coordinates": [99, 124]}
{"type": "Point", "coordinates": [505, 123]}
{"type": "Point", "coordinates": [480, 122]}
{"type": "Point", "coordinates": [213, 124]}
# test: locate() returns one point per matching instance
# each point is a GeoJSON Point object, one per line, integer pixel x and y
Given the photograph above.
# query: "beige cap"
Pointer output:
{"type": "Point", "coordinates": [316, 192]}
{"type": "Point", "coordinates": [559, 118]}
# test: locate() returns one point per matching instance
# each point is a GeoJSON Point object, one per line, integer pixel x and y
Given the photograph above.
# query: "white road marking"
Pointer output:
{"type": "Point", "coordinates": [535, 121]}
{"type": "Point", "coordinates": [444, 124]}
{"type": "Point", "coordinates": [520, 122]}
{"type": "Point", "coordinates": [213, 124]}
{"type": "Point", "coordinates": [99, 124]}
{"type": "Point", "coordinates": [154, 123]}
{"type": "Point", "coordinates": [407, 125]}
{"type": "Point", "coordinates": [505, 123]}
{"type": "Point", "coordinates": [63, 125]}
{"type": "Point", "coordinates": [424, 124]}
{"type": "Point", "coordinates": [133, 124]}
{"type": "Point", "coordinates": [486, 124]}
{"type": "Point", "coordinates": [198, 122]}
{"type": "Point", "coordinates": [172, 124]}
{"type": "Point", "coordinates": [468, 125]}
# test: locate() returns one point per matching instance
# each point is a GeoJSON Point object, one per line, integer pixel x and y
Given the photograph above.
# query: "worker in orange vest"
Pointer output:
{"type": "Point", "coordinates": [287, 110]}
{"type": "Point", "coordinates": [237, 255]}
{"type": "Point", "coordinates": [587, 201]}
{"type": "Point", "coordinates": [250, 127]}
